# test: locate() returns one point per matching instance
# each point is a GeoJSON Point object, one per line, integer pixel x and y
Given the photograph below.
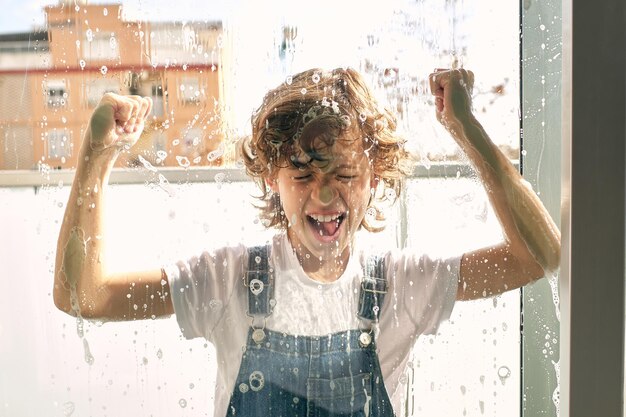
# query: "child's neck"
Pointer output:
{"type": "Point", "coordinates": [325, 268]}
{"type": "Point", "coordinates": [323, 271]}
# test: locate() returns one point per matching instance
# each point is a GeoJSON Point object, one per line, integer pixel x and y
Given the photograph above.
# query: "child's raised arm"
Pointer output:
{"type": "Point", "coordinates": [532, 244]}
{"type": "Point", "coordinates": [82, 284]}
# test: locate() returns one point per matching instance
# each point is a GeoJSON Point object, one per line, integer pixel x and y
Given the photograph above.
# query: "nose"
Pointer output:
{"type": "Point", "coordinates": [325, 194]}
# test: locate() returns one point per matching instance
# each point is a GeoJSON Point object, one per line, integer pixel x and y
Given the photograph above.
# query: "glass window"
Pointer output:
{"type": "Point", "coordinates": [98, 46]}
{"type": "Point", "coordinates": [189, 90]}
{"type": "Point", "coordinates": [207, 71]}
{"type": "Point", "coordinates": [56, 93]}
{"type": "Point", "coordinates": [96, 88]}
{"type": "Point", "coordinates": [158, 104]}
{"type": "Point", "coordinates": [59, 144]}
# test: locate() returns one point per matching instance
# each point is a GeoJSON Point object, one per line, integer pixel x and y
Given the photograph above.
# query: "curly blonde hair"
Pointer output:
{"type": "Point", "coordinates": [319, 107]}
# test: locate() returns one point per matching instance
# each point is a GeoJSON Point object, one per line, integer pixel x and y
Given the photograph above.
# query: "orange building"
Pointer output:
{"type": "Point", "coordinates": [49, 93]}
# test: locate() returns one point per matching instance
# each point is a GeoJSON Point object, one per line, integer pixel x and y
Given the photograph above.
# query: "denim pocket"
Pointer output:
{"type": "Point", "coordinates": [347, 396]}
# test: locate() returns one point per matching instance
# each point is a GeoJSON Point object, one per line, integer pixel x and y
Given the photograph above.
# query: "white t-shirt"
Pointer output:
{"type": "Point", "coordinates": [210, 301]}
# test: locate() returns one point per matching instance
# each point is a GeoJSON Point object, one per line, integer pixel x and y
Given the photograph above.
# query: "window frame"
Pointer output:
{"type": "Point", "coordinates": [593, 210]}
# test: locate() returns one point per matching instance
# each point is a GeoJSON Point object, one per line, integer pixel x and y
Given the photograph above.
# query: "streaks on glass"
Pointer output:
{"type": "Point", "coordinates": [556, 394]}
{"type": "Point", "coordinates": [89, 359]}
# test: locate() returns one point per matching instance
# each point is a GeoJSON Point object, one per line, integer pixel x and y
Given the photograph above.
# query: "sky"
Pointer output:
{"type": "Point", "coordinates": [24, 15]}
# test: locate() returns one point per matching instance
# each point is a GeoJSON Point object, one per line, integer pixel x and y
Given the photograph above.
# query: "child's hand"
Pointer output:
{"type": "Point", "coordinates": [117, 121]}
{"type": "Point", "coordinates": [453, 96]}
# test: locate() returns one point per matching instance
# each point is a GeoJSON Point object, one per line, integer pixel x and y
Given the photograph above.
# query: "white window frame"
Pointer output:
{"type": "Point", "coordinates": [593, 212]}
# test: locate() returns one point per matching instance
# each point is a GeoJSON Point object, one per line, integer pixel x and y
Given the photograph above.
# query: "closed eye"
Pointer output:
{"type": "Point", "coordinates": [301, 177]}
{"type": "Point", "coordinates": [347, 177]}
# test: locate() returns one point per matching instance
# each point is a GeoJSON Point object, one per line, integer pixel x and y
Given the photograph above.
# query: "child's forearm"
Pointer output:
{"type": "Point", "coordinates": [528, 228]}
{"type": "Point", "coordinates": [80, 263]}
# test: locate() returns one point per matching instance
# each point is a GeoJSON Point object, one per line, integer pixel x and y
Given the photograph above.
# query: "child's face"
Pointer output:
{"type": "Point", "coordinates": [324, 203]}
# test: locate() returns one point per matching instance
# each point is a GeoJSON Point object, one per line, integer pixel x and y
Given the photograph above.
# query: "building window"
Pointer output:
{"type": "Point", "coordinates": [95, 89]}
{"type": "Point", "coordinates": [192, 139]}
{"type": "Point", "coordinates": [159, 146]}
{"type": "Point", "coordinates": [59, 144]}
{"type": "Point", "coordinates": [189, 90]}
{"type": "Point", "coordinates": [55, 93]}
{"type": "Point", "coordinates": [158, 106]}
{"type": "Point", "coordinates": [101, 46]}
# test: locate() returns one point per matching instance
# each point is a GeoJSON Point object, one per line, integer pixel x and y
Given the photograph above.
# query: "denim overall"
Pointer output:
{"type": "Point", "coordinates": [332, 375]}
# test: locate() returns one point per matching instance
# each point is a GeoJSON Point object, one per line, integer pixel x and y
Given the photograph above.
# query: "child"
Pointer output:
{"type": "Point", "coordinates": [309, 324]}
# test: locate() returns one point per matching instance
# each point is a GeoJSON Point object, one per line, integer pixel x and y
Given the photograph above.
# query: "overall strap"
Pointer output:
{"type": "Point", "coordinates": [259, 281]}
{"type": "Point", "coordinates": [373, 289]}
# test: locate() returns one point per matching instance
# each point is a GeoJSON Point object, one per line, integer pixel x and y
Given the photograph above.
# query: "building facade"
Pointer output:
{"type": "Point", "coordinates": [51, 80]}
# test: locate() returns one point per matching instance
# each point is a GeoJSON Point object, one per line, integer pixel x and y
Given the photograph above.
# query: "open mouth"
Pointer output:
{"type": "Point", "coordinates": [326, 225]}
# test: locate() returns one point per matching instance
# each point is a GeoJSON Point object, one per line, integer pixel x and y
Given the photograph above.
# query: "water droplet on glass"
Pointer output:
{"type": "Point", "coordinates": [503, 373]}
{"type": "Point", "coordinates": [303, 91]}
{"type": "Point", "coordinates": [182, 402]}
{"type": "Point", "coordinates": [289, 80]}
{"type": "Point", "coordinates": [68, 408]}
{"type": "Point", "coordinates": [316, 78]}
{"type": "Point", "coordinates": [105, 11]}
{"type": "Point", "coordinates": [213, 155]}
{"type": "Point", "coordinates": [362, 117]}
{"type": "Point", "coordinates": [104, 69]}
{"type": "Point", "coordinates": [390, 194]}
{"type": "Point", "coordinates": [183, 161]}
{"type": "Point", "coordinates": [82, 63]}
{"type": "Point", "coordinates": [80, 326]}
{"type": "Point", "coordinates": [159, 354]}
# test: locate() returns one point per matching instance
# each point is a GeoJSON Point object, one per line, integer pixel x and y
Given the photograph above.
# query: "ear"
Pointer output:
{"type": "Point", "coordinates": [272, 183]}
